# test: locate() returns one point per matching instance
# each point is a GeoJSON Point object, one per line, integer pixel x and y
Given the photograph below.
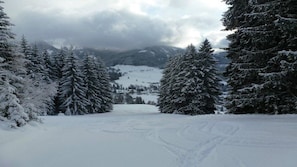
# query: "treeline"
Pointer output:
{"type": "Point", "coordinates": [82, 86]}
{"type": "Point", "coordinates": [34, 83]}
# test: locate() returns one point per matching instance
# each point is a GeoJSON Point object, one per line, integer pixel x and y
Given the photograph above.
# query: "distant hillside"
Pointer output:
{"type": "Point", "coordinates": [41, 45]}
{"type": "Point", "coordinates": [222, 61]}
{"type": "Point", "coordinates": [155, 56]}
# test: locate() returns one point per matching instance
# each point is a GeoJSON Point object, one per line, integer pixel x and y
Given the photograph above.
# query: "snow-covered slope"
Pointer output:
{"type": "Point", "coordinates": [139, 136]}
{"type": "Point", "coordinates": [140, 76]}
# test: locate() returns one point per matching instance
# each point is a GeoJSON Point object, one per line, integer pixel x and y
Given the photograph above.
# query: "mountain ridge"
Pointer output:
{"type": "Point", "coordinates": [153, 56]}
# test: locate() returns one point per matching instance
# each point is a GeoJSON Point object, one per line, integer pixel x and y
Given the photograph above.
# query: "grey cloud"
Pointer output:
{"type": "Point", "coordinates": [202, 23]}
{"type": "Point", "coordinates": [169, 22]}
{"type": "Point", "coordinates": [178, 3]}
{"type": "Point", "coordinates": [119, 29]}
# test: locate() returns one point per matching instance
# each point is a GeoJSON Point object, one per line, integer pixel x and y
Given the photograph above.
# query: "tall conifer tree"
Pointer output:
{"type": "Point", "coordinates": [105, 90]}
{"type": "Point", "coordinates": [190, 83]}
{"type": "Point", "coordinates": [71, 90]}
{"type": "Point", "coordinates": [210, 78]}
{"type": "Point", "coordinates": [11, 77]}
{"type": "Point", "coordinates": [260, 48]}
{"type": "Point", "coordinates": [93, 86]}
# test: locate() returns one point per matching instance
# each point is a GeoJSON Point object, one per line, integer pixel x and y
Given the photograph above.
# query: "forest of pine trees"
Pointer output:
{"type": "Point", "coordinates": [190, 83]}
{"type": "Point", "coordinates": [33, 83]}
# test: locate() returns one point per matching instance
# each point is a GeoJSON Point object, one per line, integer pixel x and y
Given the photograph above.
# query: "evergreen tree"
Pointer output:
{"type": "Point", "coordinates": [38, 63]}
{"type": "Point", "coordinates": [56, 74]}
{"type": "Point", "coordinates": [190, 84]}
{"type": "Point", "coordinates": [210, 78]}
{"type": "Point", "coordinates": [188, 87]}
{"type": "Point", "coordinates": [281, 70]}
{"type": "Point", "coordinates": [58, 64]}
{"type": "Point", "coordinates": [71, 90]}
{"type": "Point", "coordinates": [105, 89]}
{"type": "Point", "coordinates": [262, 52]}
{"type": "Point", "coordinates": [11, 78]}
{"type": "Point", "coordinates": [93, 85]}
{"type": "Point", "coordinates": [164, 100]}
{"type": "Point", "coordinates": [139, 100]}
{"type": "Point", "coordinates": [39, 89]}
{"type": "Point", "coordinates": [47, 67]}
{"type": "Point", "coordinates": [25, 48]}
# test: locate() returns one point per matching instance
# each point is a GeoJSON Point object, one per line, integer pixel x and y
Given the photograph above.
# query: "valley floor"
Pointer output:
{"type": "Point", "coordinates": [139, 136]}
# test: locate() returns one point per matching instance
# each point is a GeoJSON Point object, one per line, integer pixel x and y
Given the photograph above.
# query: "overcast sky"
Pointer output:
{"type": "Point", "coordinates": [118, 24]}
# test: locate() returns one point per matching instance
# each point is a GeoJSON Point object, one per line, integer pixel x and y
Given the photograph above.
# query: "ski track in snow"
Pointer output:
{"type": "Point", "coordinates": [190, 141]}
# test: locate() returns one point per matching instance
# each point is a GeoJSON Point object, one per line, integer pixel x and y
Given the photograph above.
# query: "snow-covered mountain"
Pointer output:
{"type": "Point", "coordinates": [154, 56]}
{"type": "Point", "coordinates": [42, 46]}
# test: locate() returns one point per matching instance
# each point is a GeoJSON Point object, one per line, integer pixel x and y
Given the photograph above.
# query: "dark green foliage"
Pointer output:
{"type": "Point", "coordinates": [164, 100]}
{"type": "Point", "coordinates": [138, 100]}
{"type": "Point", "coordinates": [210, 78]}
{"type": "Point", "coordinates": [190, 83]}
{"type": "Point", "coordinates": [105, 89]}
{"type": "Point", "coordinates": [72, 89]}
{"type": "Point", "coordinates": [58, 64]}
{"type": "Point", "coordinates": [97, 83]}
{"type": "Point", "coordinates": [83, 87]}
{"type": "Point", "coordinates": [262, 51]}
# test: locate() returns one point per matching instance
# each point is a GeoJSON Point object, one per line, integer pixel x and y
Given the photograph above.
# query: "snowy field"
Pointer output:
{"type": "Point", "coordinates": [139, 136]}
{"type": "Point", "coordinates": [138, 75]}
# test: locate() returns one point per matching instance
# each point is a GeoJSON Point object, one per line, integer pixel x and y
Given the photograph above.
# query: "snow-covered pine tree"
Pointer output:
{"type": "Point", "coordinates": [210, 78]}
{"type": "Point", "coordinates": [34, 63]}
{"type": "Point", "coordinates": [71, 89]}
{"type": "Point", "coordinates": [38, 63]}
{"type": "Point", "coordinates": [50, 89]}
{"type": "Point", "coordinates": [47, 67]}
{"type": "Point", "coordinates": [249, 52]}
{"type": "Point", "coordinates": [190, 84]}
{"type": "Point", "coordinates": [280, 75]}
{"type": "Point", "coordinates": [93, 85]}
{"type": "Point", "coordinates": [188, 90]}
{"type": "Point", "coordinates": [25, 48]}
{"type": "Point", "coordinates": [38, 88]}
{"type": "Point", "coordinates": [105, 89]}
{"type": "Point", "coordinates": [56, 73]}
{"type": "Point", "coordinates": [257, 73]}
{"type": "Point", "coordinates": [234, 16]}
{"type": "Point", "coordinates": [58, 64]}
{"type": "Point", "coordinates": [11, 77]}
{"type": "Point", "coordinates": [164, 101]}
{"type": "Point", "coordinates": [239, 72]}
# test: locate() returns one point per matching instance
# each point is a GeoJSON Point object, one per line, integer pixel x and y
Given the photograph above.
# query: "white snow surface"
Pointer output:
{"type": "Point", "coordinates": [139, 136]}
{"type": "Point", "coordinates": [138, 75]}
{"type": "Point", "coordinates": [142, 76]}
